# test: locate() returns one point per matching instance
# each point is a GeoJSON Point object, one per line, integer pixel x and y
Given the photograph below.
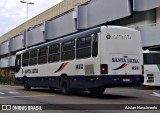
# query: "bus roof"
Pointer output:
{"type": "Point", "coordinates": [151, 51]}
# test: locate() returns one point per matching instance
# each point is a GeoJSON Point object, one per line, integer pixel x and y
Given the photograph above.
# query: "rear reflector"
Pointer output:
{"type": "Point", "coordinates": [142, 69]}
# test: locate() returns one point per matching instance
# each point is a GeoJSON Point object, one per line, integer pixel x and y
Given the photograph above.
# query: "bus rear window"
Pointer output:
{"type": "Point", "coordinates": [151, 58]}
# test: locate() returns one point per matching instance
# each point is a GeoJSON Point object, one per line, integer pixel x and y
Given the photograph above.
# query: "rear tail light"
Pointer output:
{"type": "Point", "coordinates": [142, 69]}
{"type": "Point", "coordinates": [104, 69]}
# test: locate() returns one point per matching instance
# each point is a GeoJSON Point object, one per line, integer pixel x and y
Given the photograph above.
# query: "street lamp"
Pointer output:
{"type": "Point", "coordinates": [27, 3]}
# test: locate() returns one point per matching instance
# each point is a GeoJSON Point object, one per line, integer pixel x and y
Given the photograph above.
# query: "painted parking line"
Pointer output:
{"type": "Point", "coordinates": [1, 93]}
{"type": "Point", "coordinates": [29, 96]}
{"type": "Point", "coordinates": [155, 94]}
{"type": "Point", "coordinates": [12, 92]}
{"type": "Point", "coordinates": [5, 88]}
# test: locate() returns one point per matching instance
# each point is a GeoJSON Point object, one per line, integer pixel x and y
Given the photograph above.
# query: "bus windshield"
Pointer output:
{"type": "Point", "coordinates": [151, 58]}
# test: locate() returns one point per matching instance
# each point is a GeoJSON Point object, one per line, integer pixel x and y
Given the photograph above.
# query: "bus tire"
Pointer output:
{"type": "Point", "coordinates": [26, 87]}
{"type": "Point", "coordinates": [97, 91]}
{"type": "Point", "coordinates": [65, 85]}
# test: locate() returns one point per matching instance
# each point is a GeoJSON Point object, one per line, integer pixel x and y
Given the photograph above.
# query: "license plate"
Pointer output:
{"type": "Point", "coordinates": [126, 80]}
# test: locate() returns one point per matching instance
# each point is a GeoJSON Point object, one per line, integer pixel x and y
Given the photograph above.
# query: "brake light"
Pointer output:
{"type": "Point", "coordinates": [97, 78]}
{"type": "Point", "coordinates": [142, 69]}
{"type": "Point", "coordinates": [104, 69]}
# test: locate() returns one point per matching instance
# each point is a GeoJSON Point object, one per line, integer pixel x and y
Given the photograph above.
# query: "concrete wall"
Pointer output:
{"type": "Point", "coordinates": [61, 26]}
{"type": "Point", "coordinates": [17, 43]}
{"type": "Point", "coordinates": [4, 62]}
{"type": "Point", "coordinates": [102, 11]}
{"type": "Point", "coordinates": [35, 36]}
{"type": "Point", "coordinates": [150, 35]}
{"type": "Point", "coordinates": [4, 48]}
{"type": "Point", "coordinates": [144, 5]}
{"type": "Point", "coordinates": [158, 15]}
{"type": "Point", "coordinates": [12, 60]}
{"type": "Point", "coordinates": [139, 19]}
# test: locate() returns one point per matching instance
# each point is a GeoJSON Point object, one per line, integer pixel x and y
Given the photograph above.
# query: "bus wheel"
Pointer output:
{"type": "Point", "coordinates": [26, 87]}
{"type": "Point", "coordinates": [97, 91]}
{"type": "Point", "coordinates": [65, 85]}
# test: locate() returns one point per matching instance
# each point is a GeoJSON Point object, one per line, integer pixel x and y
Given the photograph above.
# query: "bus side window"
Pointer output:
{"type": "Point", "coordinates": [18, 63]}
{"type": "Point", "coordinates": [68, 50]}
{"type": "Point", "coordinates": [33, 57]}
{"type": "Point", "coordinates": [95, 45]}
{"type": "Point", "coordinates": [83, 48]}
{"type": "Point", "coordinates": [54, 53]}
{"type": "Point", "coordinates": [25, 59]}
{"type": "Point", "coordinates": [42, 56]}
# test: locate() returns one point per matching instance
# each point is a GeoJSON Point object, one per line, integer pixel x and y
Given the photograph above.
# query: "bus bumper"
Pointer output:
{"type": "Point", "coordinates": [106, 81]}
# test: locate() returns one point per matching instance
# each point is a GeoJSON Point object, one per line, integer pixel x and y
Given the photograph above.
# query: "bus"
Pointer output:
{"type": "Point", "coordinates": [94, 59]}
{"type": "Point", "coordinates": [151, 68]}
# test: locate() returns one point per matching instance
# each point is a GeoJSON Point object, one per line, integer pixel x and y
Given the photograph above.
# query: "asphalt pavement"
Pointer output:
{"type": "Point", "coordinates": [114, 100]}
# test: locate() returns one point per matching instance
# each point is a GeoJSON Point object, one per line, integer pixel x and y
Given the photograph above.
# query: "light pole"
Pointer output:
{"type": "Point", "coordinates": [27, 3]}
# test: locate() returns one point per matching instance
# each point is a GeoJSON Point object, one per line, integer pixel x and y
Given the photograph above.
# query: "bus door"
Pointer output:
{"type": "Point", "coordinates": [17, 63]}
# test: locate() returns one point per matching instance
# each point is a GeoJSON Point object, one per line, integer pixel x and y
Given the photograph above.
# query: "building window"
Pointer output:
{"type": "Point", "coordinates": [54, 53]}
{"type": "Point", "coordinates": [68, 50]}
{"type": "Point", "coordinates": [42, 56]}
{"type": "Point", "coordinates": [33, 57]}
{"type": "Point", "coordinates": [25, 59]}
{"type": "Point", "coordinates": [83, 48]}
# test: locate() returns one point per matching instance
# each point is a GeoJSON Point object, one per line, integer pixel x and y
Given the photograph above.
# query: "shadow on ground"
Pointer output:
{"type": "Point", "coordinates": [147, 87]}
{"type": "Point", "coordinates": [83, 94]}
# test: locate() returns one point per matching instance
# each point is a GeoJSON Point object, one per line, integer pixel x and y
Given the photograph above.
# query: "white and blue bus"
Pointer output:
{"type": "Point", "coordinates": [151, 68]}
{"type": "Point", "coordinates": [94, 59]}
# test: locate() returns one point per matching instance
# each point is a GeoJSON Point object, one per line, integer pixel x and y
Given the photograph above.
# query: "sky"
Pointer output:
{"type": "Point", "coordinates": [13, 13]}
